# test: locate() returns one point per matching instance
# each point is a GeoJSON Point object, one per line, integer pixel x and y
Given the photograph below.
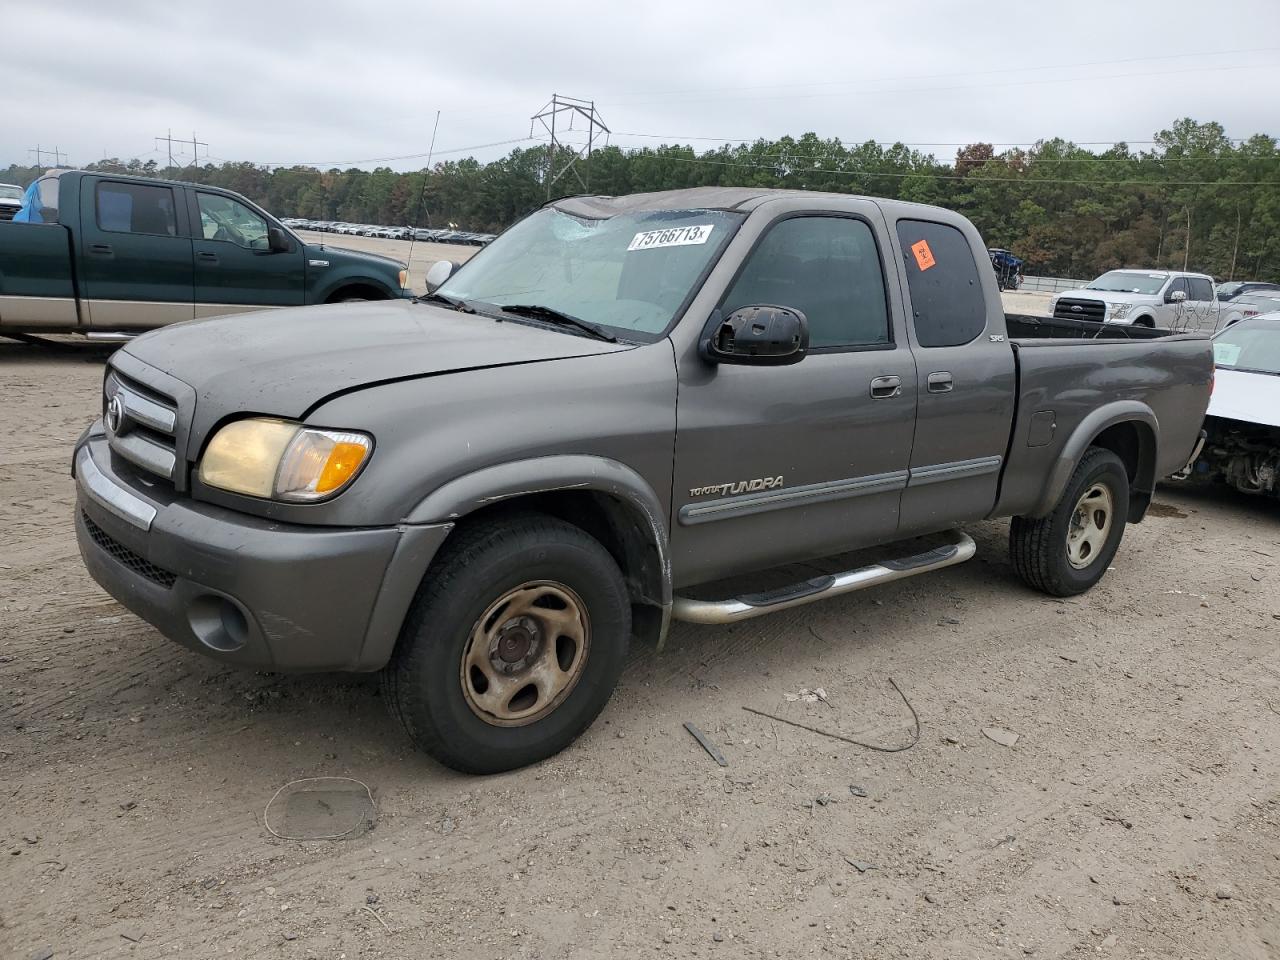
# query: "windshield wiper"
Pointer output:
{"type": "Point", "coordinates": [456, 302]}
{"type": "Point", "coordinates": [538, 311]}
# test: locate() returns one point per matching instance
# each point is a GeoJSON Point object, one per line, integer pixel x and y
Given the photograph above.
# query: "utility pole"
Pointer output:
{"type": "Point", "coordinates": [195, 149]}
{"type": "Point", "coordinates": [169, 140]}
{"type": "Point", "coordinates": [596, 130]}
{"type": "Point", "coordinates": [40, 152]}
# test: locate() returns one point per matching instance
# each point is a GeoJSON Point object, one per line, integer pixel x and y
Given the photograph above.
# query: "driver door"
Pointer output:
{"type": "Point", "coordinates": [234, 269]}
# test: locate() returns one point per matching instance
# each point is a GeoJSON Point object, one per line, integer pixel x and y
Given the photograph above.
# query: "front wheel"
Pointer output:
{"type": "Point", "coordinates": [1069, 551]}
{"type": "Point", "coordinates": [513, 645]}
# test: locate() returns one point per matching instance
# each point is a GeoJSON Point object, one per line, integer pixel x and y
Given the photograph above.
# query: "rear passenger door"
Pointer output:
{"type": "Point", "coordinates": [966, 382]}
{"type": "Point", "coordinates": [134, 254]}
{"type": "Point", "coordinates": [235, 270]}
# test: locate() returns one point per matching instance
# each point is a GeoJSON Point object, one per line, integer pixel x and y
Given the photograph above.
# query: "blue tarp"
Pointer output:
{"type": "Point", "coordinates": [30, 209]}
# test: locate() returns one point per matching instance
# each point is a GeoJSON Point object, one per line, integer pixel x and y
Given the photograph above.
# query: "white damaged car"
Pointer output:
{"type": "Point", "coordinates": [1241, 446]}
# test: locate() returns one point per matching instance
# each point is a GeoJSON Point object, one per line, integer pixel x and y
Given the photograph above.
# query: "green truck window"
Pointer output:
{"type": "Point", "coordinates": [947, 305]}
{"type": "Point", "coordinates": [222, 218]}
{"type": "Point", "coordinates": [136, 208]}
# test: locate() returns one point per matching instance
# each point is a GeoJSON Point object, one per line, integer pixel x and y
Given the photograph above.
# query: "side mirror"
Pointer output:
{"type": "Point", "coordinates": [440, 271]}
{"type": "Point", "coordinates": [760, 334]}
{"type": "Point", "coordinates": [277, 240]}
{"type": "Point", "coordinates": [1176, 297]}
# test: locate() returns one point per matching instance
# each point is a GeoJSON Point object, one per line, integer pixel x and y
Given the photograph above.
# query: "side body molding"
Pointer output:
{"type": "Point", "coordinates": [555, 474]}
{"type": "Point", "coordinates": [1121, 411]}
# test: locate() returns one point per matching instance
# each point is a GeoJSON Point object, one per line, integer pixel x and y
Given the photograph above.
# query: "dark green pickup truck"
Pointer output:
{"type": "Point", "coordinates": [110, 256]}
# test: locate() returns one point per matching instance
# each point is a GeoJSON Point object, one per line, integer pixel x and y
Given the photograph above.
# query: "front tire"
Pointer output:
{"type": "Point", "coordinates": [1068, 551]}
{"type": "Point", "coordinates": [512, 646]}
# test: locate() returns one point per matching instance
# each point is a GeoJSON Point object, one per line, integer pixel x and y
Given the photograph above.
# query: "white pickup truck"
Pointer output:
{"type": "Point", "coordinates": [1146, 298]}
{"type": "Point", "coordinates": [10, 200]}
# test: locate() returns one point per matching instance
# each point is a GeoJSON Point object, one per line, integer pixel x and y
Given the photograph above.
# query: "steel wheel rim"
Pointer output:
{"type": "Point", "coordinates": [525, 654]}
{"type": "Point", "coordinates": [1091, 522]}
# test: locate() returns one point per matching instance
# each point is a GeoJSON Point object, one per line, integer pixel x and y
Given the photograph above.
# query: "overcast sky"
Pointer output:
{"type": "Point", "coordinates": [280, 82]}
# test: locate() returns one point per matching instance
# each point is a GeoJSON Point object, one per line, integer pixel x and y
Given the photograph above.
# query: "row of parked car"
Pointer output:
{"type": "Point", "coordinates": [389, 233]}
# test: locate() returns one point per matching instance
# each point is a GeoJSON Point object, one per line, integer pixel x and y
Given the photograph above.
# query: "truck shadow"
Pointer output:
{"type": "Point", "coordinates": [50, 351]}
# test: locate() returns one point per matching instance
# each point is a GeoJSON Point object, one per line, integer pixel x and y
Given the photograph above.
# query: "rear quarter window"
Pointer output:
{"type": "Point", "coordinates": [947, 304]}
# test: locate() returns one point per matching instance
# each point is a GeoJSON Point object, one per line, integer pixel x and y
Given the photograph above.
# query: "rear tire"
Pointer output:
{"type": "Point", "coordinates": [1068, 551]}
{"type": "Point", "coordinates": [512, 646]}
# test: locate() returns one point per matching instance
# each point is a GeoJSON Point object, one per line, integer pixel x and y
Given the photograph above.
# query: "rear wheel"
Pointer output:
{"type": "Point", "coordinates": [1069, 551]}
{"type": "Point", "coordinates": [513, 645]}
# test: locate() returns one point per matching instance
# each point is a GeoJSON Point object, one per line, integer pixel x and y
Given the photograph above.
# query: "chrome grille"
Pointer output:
{"type": "Point", "coordinates": [7, 212]}
{"type": "Point", "coordinates": [141, 424]}
{"type": "Point", "coordinates": [1080, 308]}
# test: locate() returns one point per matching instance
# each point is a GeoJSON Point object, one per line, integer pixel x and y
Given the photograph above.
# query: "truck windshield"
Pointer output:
{"type": "Point", "coordinates": [629, 273]}
{"type": "Point", "coordinates": [9, 192]}
{"type": "Point", "coordinates": [1129, 281]}
{"type": "Point", "coordinates": [1250, 345]}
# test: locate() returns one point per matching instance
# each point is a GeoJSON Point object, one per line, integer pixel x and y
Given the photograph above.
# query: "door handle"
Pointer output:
{"type": "Point", "coordinates": [101, 250]}
{"type": "Point", "coordinates": [204, 257]}
{"type": "Point", "coordinates": [940, 382]}
{"type": "Point", "coordinates": [882, 388]}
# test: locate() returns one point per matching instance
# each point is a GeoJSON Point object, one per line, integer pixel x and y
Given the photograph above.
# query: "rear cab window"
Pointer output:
{"type": "Point", "coordinates": [136, 208]}
{"type": "Point", "coordinates": [947, 304]}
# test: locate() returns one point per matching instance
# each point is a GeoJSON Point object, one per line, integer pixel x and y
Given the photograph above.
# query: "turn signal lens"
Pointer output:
{"type": "Point", "coordinates": [319, 463]}
{"type": "Point", "coordinates": [404, 278]}
{"type": "Point", "coordinates": [281, 460]}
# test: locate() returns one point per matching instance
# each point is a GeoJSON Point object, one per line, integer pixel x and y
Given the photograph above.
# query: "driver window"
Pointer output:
{"type": "Point", "coordinates": [222, 218]}
{"type": "Point", "coordinates": [1178, 285]}
{"type": "Point", "coordinates": [826, 267]}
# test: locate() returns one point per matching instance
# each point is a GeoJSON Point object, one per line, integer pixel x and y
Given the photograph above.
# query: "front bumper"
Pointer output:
{"type": "Point", "coordinates": [242, 589]}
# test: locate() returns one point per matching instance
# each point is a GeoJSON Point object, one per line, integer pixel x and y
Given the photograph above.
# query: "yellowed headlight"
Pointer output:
{"type": "Point", "coordinates": [243, 456]}
{"type": "Point", "coordinates": [404, 277]}
{"type": "Point", "coordinates": [281, 460]}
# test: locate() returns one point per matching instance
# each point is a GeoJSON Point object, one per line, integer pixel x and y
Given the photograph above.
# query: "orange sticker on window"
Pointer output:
{"type": "Point", "coordinates": [924, 256]}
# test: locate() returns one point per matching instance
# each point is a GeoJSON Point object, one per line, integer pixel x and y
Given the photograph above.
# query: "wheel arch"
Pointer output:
{"type": "Point", "coordinates": [1130, 430]}
{"type": "Point", "coordinates": [605, 498]}
{"type": "Point", "coordinates": [364, 288]}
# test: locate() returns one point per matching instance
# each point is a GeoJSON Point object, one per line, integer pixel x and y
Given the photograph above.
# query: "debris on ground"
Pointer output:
{"type": "Point", "coordinates": [857, 791]}
{"type": "Point", "coordinates": [807, 696]}
{"type": "Point", "coordinates": [1006, 738]}
{"type": "Point", "coordinates": [915, 736]}
{"type": "Point", "coordinates": [860, 865]}
{"type": "Point", "coordinates": [712, 750]}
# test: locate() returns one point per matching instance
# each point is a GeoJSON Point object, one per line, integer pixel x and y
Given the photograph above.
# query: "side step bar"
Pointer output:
{"type": "Point", "coordinates": [751, 605]}
{"type": "Point", "coordinates": [108, 336]}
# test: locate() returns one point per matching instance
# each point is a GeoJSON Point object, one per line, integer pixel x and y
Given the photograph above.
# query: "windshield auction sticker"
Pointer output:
{"type": "Point", "coordinates": [671, 237]}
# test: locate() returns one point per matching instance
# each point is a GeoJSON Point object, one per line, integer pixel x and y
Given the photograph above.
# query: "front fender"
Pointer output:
{"type": "Point", "coordinates": [1121, 411]}
{"type": "Point", "coordinates": [519, 478]}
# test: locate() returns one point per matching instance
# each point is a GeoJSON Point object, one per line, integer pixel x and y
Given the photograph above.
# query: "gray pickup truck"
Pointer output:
{"type": "Point", "coordinates": [601, 423]}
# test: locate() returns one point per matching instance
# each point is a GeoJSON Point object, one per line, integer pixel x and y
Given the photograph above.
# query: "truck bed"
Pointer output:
{"type": "Point", "coordinates": [1023, 326]}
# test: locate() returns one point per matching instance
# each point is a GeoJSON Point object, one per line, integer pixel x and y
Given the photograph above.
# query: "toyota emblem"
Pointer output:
{"type": "Point", "coordinates": [115, 414]}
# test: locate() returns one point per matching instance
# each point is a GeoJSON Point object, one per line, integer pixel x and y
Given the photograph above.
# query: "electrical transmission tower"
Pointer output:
{"type": "Point", "coordinates": [195, 148]}
{"type": "Point", "coordinates": [562, 155]}
{"type": "Point", "coordinates": [41, 152]}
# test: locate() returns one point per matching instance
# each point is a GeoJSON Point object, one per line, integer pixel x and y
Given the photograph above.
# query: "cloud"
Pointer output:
{"type": "Point", "coordinates": [288, 81]}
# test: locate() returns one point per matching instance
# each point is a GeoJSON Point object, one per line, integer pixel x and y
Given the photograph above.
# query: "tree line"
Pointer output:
{"type": "Point", "coordinates": [1195, 198]}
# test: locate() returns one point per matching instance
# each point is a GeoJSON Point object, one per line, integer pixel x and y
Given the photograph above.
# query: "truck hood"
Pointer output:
{"type": "Point", "coordinates": [1113, 296]}
{"type": "Point", "coordinates": [323, 251]}
{"type": "Point", "coordinates": [1250, 397]}
{"type": "Point", "coordinates": [285, 362]}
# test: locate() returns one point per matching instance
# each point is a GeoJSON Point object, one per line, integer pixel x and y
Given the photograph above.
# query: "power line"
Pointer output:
{"type": "Point", "coordinates": [407, 156]}
{"type": "Point", "coordinates": [971, 86]}
{"type": "Point", "coordinates": [1198, 55]}
{"type": "Point", "coordinates": [854, 141]}
{"type": "Point", "coordinates": [40, 151]}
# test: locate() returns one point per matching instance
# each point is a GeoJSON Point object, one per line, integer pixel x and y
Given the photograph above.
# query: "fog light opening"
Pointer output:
{"type": "Point", "coordinates": [218, 623]}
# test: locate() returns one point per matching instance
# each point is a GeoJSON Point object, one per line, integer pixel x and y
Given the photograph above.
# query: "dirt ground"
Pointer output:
{"type": "Point", "coordinates": [1137, 815]}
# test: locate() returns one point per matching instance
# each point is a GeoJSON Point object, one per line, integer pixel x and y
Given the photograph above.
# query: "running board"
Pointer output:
{"type": "Point", "coordinates": [109, 336]}
{"type": "Point", "coordinates": [751, 605]}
